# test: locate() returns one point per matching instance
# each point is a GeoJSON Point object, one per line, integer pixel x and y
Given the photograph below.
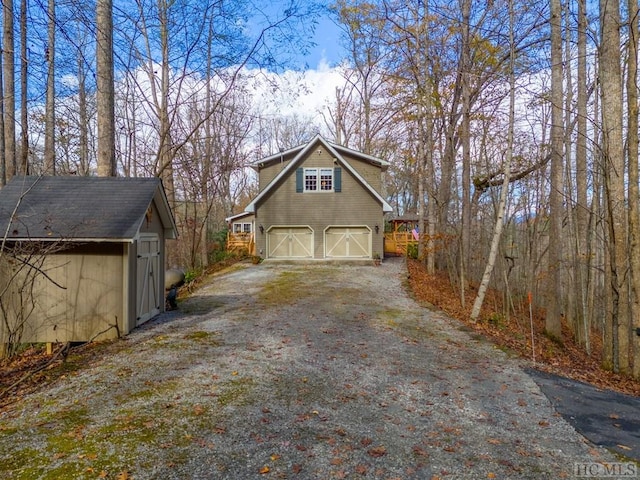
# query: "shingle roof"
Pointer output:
{"type": "Point", "coordinates": [76, 208]}
{"type": "Point", "coordinates": [300, 154]}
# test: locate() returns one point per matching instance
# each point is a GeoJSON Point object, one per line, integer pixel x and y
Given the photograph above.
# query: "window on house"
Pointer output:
{"type": "Point", "coordinates": [241, 227]}
{"type": "Point", "coordinates": [318, 179]}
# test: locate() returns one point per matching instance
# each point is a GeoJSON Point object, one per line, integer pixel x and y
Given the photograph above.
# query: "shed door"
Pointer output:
{"type": "Point", "coordinates": [150, 295]}
{"type": "Point", "coordinates": [347, 242]}
{"type": "Point", "coordinates": [290, 242]}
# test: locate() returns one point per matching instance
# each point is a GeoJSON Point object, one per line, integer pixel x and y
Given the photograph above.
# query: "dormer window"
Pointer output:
{"type": "Point", "coordinates": [318, 179]}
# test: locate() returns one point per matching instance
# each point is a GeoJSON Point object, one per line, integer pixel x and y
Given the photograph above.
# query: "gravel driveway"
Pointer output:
{"type": "Point", "coordinates": [295, 371]}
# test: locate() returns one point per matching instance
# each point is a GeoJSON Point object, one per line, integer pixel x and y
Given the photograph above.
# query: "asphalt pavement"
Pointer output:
{"type": "Point", "coordinates": [607, 418]}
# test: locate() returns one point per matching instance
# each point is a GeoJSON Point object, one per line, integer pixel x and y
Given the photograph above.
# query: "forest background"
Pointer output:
{"type": "Point", "coordinates": [511, 127]}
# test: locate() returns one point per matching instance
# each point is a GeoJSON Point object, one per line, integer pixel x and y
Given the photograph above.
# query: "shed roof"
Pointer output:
{"type": "Point", "coordinates": [80, 208]}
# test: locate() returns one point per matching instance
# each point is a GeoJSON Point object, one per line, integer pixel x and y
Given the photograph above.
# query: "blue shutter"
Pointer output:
{"type": "Point", "coordinates": [337, 179]}
{"type": "Point", "coordinates": [299, 180]}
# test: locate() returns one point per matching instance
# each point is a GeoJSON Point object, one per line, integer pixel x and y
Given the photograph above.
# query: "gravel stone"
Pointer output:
{"type": "Point", "coordinates": [296, 371]}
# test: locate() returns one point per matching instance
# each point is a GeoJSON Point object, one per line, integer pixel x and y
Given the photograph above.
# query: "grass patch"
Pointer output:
{"type": "Point", "coordinates": [208, 338]}
{"type": "Point", "coordinates": [236, 392]}
{"type": "Point", "coordinates": [405, 323]}
{"type": "Point", "coordinates": [283, 290]}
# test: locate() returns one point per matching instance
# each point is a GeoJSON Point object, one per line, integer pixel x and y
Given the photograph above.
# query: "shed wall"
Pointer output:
{"type": "Point", "coordinates": [79, 299]}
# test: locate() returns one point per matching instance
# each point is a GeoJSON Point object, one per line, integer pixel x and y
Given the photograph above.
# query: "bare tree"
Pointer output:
{"type": "Point", "coordinates": [617, 325]}
{"type": "Point", "coordinates": [50, 104]}
{"type": "Point", "coordinates": [553, 324]}
{"type": "Point", "coordinates": [105, 88]}
{"type": "Point", "coordinates": [9, 95]}
{"type": "Point", "coordinates": [634, 177]}
{"type": "Point", "coordinates": [502, 205]}
{"type": "Point", "coordinates": [24, 91]}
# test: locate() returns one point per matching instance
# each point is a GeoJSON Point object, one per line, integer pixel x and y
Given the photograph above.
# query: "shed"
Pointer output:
{"type": "Point", "coordinates": [95, 251]}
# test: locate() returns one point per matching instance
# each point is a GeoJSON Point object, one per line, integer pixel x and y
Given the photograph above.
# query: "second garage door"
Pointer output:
{"type": "Point", "coordinates": [290, 242]}
{"type": "Point", "coordinates": [348, 242]}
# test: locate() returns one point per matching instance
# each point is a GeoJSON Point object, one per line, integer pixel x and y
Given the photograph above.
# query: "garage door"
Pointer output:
{"type": "Point", "coordinates": [351, 242]}
{"type": "Point", "coordinates": [290, 242]}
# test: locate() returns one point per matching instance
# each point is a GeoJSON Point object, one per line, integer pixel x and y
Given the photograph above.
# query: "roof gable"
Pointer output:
{"type": "Point", "coordinates": [294, 152]}
{"type": "Point", "coordinates": [80, 208]}
{"type": "Point", "coordinates": [300, 153]}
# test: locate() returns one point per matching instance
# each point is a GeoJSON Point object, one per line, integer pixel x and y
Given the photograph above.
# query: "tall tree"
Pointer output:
{"type": "Point", "coordinates": [24, 92]}
{"type": "Point", "coordinates": [465, 67]}
{"type": "Point", "coordinates": [553, 324]}
{"type": "Point", "coordinates": [617, 324]}
{"type": "Point", "coordinates": [582, 209]}
{"type": "Point", "coordinates": [634, 177]}
{"type": "Point", "coordinates": [508, 158]}
{"type": "Point", "coordinates": [9, 97]}
{"type": "Point", "coordinates": [50, 109]}
{"type": "Point", "coordinates": [105, 90]}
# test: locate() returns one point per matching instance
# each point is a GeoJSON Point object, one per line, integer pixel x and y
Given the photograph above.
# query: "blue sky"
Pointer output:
{"type": "Point", "coordinates": [326, 35]}
{"type": "Point", "coordinates": [328, 48]}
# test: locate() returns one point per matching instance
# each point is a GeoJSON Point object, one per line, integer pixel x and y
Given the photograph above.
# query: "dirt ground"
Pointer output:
{"type": "Point", "coordinates": [294, 371]}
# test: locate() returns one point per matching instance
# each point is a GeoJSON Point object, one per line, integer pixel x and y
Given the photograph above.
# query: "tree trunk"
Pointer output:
{"type": "Point", "coordinates": [582, 210]}
{"type": "Point", "coordinates": [3, 164]}
{"type": "Point", "coordinates": [553, 323]}
{"type": "Point", "coordinates": [613, 153]}
{"type": "Point", "coordinates": [466, 147]}
{"type": "Point", "coordinates": [165, 160]}
{"type": "Point", "coordinates": [24, 113]}
{"type": "Point", "coordinates": [105, 89]}
{"type": "Point", "coordinates": [83, 116]}
{"type": "Point", "coordinates": [9, 89]}
{"type": "Point", "coordinates": [497, 232]}
{"type": "Point", "coordinates": [50, 111]}
{"type": "Point", "coordinates": [634, 177]}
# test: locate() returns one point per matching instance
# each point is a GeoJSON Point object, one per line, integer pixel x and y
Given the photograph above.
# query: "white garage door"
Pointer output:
{"type": "Point", "coordinates": [290, 242]}
{"type": "Point", "coordinates": [351, 242]}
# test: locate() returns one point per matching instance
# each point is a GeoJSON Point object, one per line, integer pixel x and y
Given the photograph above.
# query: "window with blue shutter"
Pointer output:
{"type": "Point", "coordinates": [318, 180]}
{"type": "Point", "coordinates": [300, 180]}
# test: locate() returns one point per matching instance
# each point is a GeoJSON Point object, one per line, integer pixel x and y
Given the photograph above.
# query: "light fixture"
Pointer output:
{"type": "Point", "coordinates": [261, 229]}
{"type": "Point", "coordinates": [377, 228]}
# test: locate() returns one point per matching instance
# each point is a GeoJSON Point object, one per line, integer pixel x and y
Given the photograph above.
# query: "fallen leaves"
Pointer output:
{"type": "Point", "coordinates": [377, 451]}
{"type": "Point", "coordinates": [570, 360]}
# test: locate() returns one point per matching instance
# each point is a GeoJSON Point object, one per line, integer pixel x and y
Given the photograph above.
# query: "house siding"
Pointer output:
{"type": "Point", "coordinates": [353, 206]}
{"type": "Point", "coordinates": [81, 299]}
{"type": "Point", "coordinates": [271, 171]}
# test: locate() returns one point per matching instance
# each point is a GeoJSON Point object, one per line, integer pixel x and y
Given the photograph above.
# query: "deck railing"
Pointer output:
{"type": "Point", "coordinates": [239, 242]}
{"type": "Point", "coordinates": [397, 243]}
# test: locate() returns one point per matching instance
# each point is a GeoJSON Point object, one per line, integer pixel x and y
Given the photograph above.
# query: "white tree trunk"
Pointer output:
{"type": "Point", "coordinates": [497, 232]}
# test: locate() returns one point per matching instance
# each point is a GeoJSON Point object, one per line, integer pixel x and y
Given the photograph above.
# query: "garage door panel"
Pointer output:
{"type": "Point", "coordinates": [278, 244]}
{"type": "Point", "coordinates": [290, 242]}
{"type": "Point", "coordinates": [336, 243]}
{"type": "Point", "coordinates": [348, 242]}
{"type": "Point", "coordinates": [359, 244]}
